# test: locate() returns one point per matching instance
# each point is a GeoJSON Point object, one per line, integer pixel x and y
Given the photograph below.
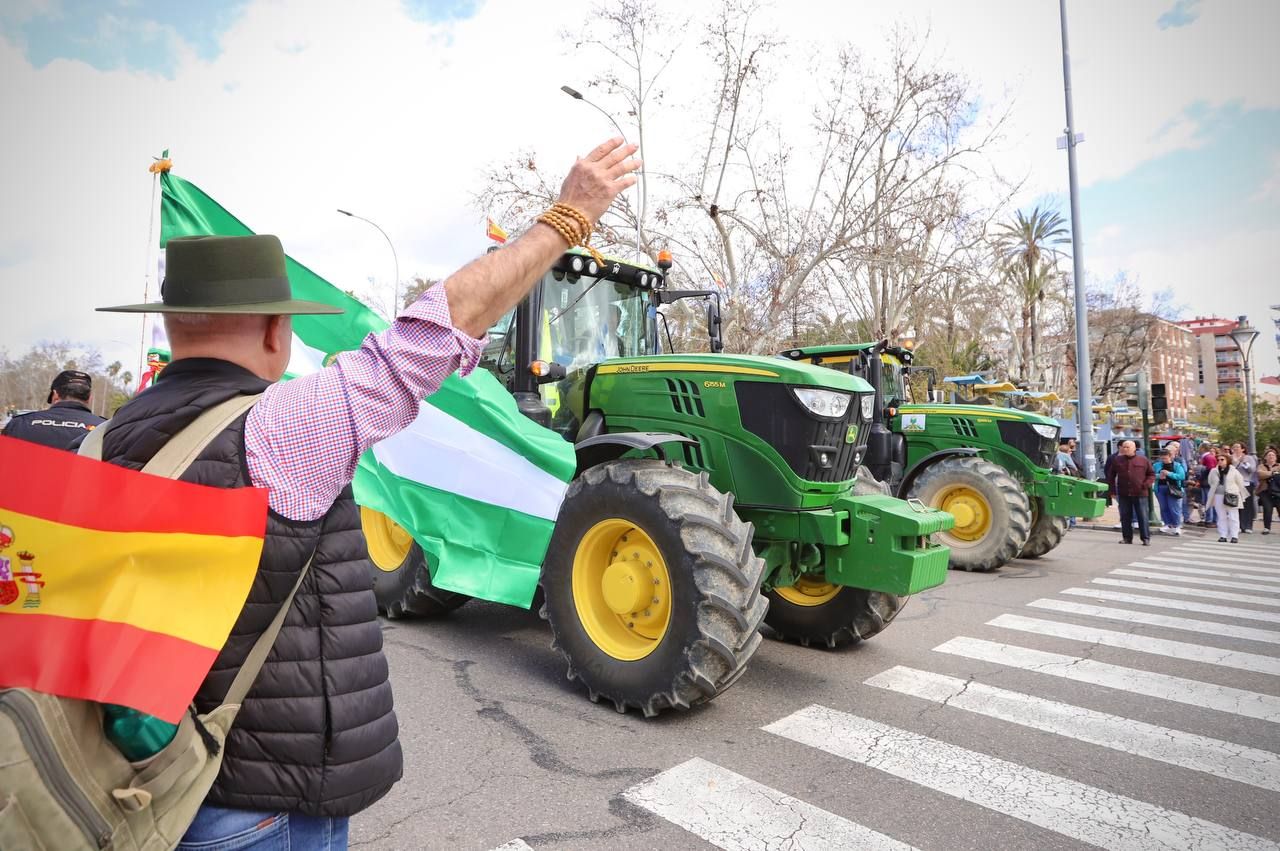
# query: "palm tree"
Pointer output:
{"type": "Point", "coordinates": [1026, 250]}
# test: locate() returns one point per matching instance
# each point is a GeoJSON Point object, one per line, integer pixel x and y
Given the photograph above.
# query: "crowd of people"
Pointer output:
{"type": "Point", "coordinates": [1225, 484]}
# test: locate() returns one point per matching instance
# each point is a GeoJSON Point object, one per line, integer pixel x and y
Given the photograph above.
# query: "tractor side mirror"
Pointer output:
{"type": "Point", "coordinates": [713, 325]}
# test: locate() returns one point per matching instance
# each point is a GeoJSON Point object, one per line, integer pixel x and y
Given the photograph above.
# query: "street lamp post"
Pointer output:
{"type": "Point", "coordinates": [395, 292]}
{"type": "Point", "coordinates": [1084, 406]}
{"type": "Point", "coordinates": [1243, 336]}
{"type": "Point", "coordinates": [577, 95]}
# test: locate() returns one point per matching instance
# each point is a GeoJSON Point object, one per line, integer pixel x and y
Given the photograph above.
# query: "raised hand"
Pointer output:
{"type": "Point", "coordinates": [596, 179]}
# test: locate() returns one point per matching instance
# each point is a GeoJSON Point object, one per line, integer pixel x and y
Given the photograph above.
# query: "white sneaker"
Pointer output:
{"type": "Point", "coordinates": [1177, 530]}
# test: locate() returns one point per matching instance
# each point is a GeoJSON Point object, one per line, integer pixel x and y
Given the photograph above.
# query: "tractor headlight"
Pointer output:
{"type": "Point", "coordinates": [1045, 430]}
{"type": "Point", "coordinates": [824, 403]}
{"type": "Point", "coordinates": [868, 403]}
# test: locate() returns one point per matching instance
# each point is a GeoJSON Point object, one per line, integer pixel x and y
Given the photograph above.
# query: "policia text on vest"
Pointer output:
{"type": "Point", "coordinates": [62, 425]}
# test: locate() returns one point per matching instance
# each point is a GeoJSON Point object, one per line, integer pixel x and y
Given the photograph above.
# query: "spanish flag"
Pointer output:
{"type": "Point", "coordinates": [118, 586]}
{"type": "Point", "coordinates": [495, 232]}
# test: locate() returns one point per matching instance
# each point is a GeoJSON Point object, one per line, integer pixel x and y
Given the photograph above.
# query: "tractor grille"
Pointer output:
{"type": "Point", "coordinates": [1022, 437]}
{"type": "Point", "coordinates": [964, 427]}
{"type": "Point", "coordinates": [686, 398]}
{"type": "Point", "coordinates": [773, 414]}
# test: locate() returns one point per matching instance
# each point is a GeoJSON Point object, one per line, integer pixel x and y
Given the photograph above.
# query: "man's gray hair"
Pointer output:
{"type": "Point", "coordinates": [209, 323]}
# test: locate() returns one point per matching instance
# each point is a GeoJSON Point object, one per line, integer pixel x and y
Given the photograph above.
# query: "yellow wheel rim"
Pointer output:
{"type": "Point", "coordinates": [808, 591]}
{"type": "Point", "coordinates": [971, 510]}
{"type": "Point", "coordinates": [621, 589]}
{"type": "Point", "coordinates": [389, 543]}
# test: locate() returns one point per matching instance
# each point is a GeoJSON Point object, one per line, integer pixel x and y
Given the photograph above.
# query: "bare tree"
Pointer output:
{"type": "Point", "coordinates": [859, 213]}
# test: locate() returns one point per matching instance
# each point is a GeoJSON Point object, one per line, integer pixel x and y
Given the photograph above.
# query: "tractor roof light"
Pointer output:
{"type": "Point", "coordinates": [540, 368]}
{"type": "Point", "coordinates": [578, 264]}
{"type": "Point", "coordinates": [664, 260]}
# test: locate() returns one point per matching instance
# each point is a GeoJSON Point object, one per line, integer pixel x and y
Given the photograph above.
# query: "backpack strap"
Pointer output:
{"type": "Point", "coordinates": [183, 448]}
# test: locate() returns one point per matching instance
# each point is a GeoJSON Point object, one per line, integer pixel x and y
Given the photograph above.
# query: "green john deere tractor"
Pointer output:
{"type": "Point", "coordinates": [713, 492]}
{"type": "Point", "coordinates": [988, 466]}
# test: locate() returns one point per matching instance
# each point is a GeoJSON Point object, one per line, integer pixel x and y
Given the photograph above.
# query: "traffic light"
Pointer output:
{"type": "Point", "coordinates": [1159, 404]}
{"type": "Point", "coordinates": [1136, 392]}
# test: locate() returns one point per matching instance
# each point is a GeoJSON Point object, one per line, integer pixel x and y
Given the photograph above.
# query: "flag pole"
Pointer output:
{"type": "Point", "coordinates": [160, 165]}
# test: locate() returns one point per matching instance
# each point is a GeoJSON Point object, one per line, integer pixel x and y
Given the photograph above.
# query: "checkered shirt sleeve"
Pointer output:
{"type": "Point", "coordinates": [304, 437]}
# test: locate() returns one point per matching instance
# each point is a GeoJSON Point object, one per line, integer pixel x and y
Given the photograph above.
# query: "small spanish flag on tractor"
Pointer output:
{"type": "Point", "coordinates": [118, 586]}
{"type": "Point", "coordinates": [496, 232]}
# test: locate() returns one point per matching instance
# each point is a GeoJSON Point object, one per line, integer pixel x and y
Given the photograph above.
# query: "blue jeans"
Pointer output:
{"type": "Point", "coordinates": [1170, 508]}
{"type": "Point", "coordinates": [222, 829]}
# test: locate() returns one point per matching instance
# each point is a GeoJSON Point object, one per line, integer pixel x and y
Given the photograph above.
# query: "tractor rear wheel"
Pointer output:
{"type": "Point", "coordinates": [1047, 532]}
{"type": "Point", "coordinates": [401, 579]}
{"type": "Point", "coordinates": [816, 611]}
{"type": "Point", "coordinates": [993, 514]}
{"type": "Point", "coordinates": [651, 587]}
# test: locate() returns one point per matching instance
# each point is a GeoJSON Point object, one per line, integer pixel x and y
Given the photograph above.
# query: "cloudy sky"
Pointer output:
{"type": "Point", "coordinates": [284, 110]}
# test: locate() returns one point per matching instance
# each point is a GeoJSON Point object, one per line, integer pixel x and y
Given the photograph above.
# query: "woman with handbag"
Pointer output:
{"type": "Point", "coordinates": [1269, 487]}
{"type": "Point", "coordinates": [1226, 492]}
{"type": "Point", "coordinates": [1171, 474]}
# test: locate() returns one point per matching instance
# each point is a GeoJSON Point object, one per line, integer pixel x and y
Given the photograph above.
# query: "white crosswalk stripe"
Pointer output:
{"type": "Point", "coordinates": [1175, 747]}
{"type": "Point", "coordinates": [736, 813]}
{"type": "Point", "coordinates": [1212, 558]}
{"type": "Point", "coordinates": [1265, 574]}
{"type": "Point", "coordinates": [1194, 580]}
{"type": "Point", "coordinates": [1248, 633]}
{"type": "Point", "coordinates": [1181, 605]}
{"type": "Point", "coordinates": [1263, 550]}
{"type": "Point", "coordinates": [1064, 806]}
{"type": "Point", "coordinates": [1250, 704]}
{"type": "Point", "coordinates": [1152, 564]}
{"type": "Point", "coordinates": [1157, 646]}
{"type": "Point", "coordinates": [1198, 593]}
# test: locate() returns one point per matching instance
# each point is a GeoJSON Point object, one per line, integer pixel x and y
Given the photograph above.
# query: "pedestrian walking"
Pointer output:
{"type": "Point", "coordinates": [1129, 480]}
{"type": "Point", "coordinates": [67, 419]}
{"type": "Point", "coordinates": [1269, 486]}
{"type": "Point", "coordinates": [1208, 461]}
{"type": "Point", "coordinates": [1064, 464]}
{"type": "Point", "coordinates": [1248, 466]}
{"type": "Point", "coordinates": [1227, 490]}
{"type": "Point", "coordinates": [316, 740]}
{"type": "Point", "coordinates": [1171, 476]}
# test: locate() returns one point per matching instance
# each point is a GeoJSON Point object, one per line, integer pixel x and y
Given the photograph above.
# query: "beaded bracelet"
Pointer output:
{"type": "Point", "coordinates": [572, 225]}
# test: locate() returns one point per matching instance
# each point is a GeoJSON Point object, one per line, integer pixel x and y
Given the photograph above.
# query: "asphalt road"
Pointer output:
{"type": "Point", "coordinates": [1071, 701]}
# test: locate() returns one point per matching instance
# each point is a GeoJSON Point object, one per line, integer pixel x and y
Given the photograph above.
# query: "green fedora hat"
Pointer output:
{"type": "Point", "coordinates": [225, 274]}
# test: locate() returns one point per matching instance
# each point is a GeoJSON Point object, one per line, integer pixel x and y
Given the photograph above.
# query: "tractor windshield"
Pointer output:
{"type": "Point", "coordinates": [891, 380]}
{"type": "Point", "coordinates": [588, 320]}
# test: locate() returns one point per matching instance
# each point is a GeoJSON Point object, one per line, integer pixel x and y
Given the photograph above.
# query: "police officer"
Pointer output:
{"type": "Point", "coordinates": [66, 420]}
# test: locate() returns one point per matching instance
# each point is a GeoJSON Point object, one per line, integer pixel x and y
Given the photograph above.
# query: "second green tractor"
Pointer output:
{"type": "Point", "coordinates": [990, 467]}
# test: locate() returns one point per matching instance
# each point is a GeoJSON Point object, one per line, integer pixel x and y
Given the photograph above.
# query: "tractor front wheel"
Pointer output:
{"type": "Point", "coordinates": [1047, 532]}
{"type": "Point", "coordinates": [993, 514]}
{"type": "Point", "coordinates": [401, 579]}
{"type": "Point", "coordinates": [816, 611]}
{"type": "Point", "coordinates": [651, 587]}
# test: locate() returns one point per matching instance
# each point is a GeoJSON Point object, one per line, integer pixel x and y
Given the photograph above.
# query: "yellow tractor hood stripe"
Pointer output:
{"type": "Point", "coordinates": [609, 368]}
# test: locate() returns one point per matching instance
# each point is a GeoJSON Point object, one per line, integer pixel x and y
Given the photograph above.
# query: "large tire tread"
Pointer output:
{"type": "Point", "coordinates": [1046, 533]}
{"type": "Point", "coordinates": [408, 591]}
{"type": "Point", "coordinates": [729, 609]}
{"type": "Point", "coordinates": [1002, 545]}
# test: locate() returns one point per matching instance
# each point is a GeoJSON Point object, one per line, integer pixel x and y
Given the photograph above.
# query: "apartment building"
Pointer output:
{"type": "Point", "coordinates": [1218, 366]}
{"type": "Point", "coordinates": [1172, 362]}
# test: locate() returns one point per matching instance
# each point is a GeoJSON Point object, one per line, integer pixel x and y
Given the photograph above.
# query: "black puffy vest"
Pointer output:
{"type": "Point", "coordinates": [317, 734]}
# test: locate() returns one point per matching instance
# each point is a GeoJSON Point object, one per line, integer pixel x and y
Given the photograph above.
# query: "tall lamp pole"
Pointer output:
{"type": "Point", "coordinates": [1243, 336]}
{"type": "Point", "coordinates": [1084, 406]}
{"type": "Point", "coordinates": [577, 95]}
{"type": "Point", "coordinates": [395, 297]}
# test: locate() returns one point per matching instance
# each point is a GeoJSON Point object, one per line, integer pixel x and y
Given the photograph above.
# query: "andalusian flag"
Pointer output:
{"type": "Point", "coordinates": [496, 232]}
{"type": "Point", "coordinates": [118, 586]}
{"type": "Point", "coordinates": [478, 484]}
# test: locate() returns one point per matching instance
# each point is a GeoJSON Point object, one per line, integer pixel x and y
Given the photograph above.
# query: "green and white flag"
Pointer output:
{"type": "Point", "coordinates": [477, 484]}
